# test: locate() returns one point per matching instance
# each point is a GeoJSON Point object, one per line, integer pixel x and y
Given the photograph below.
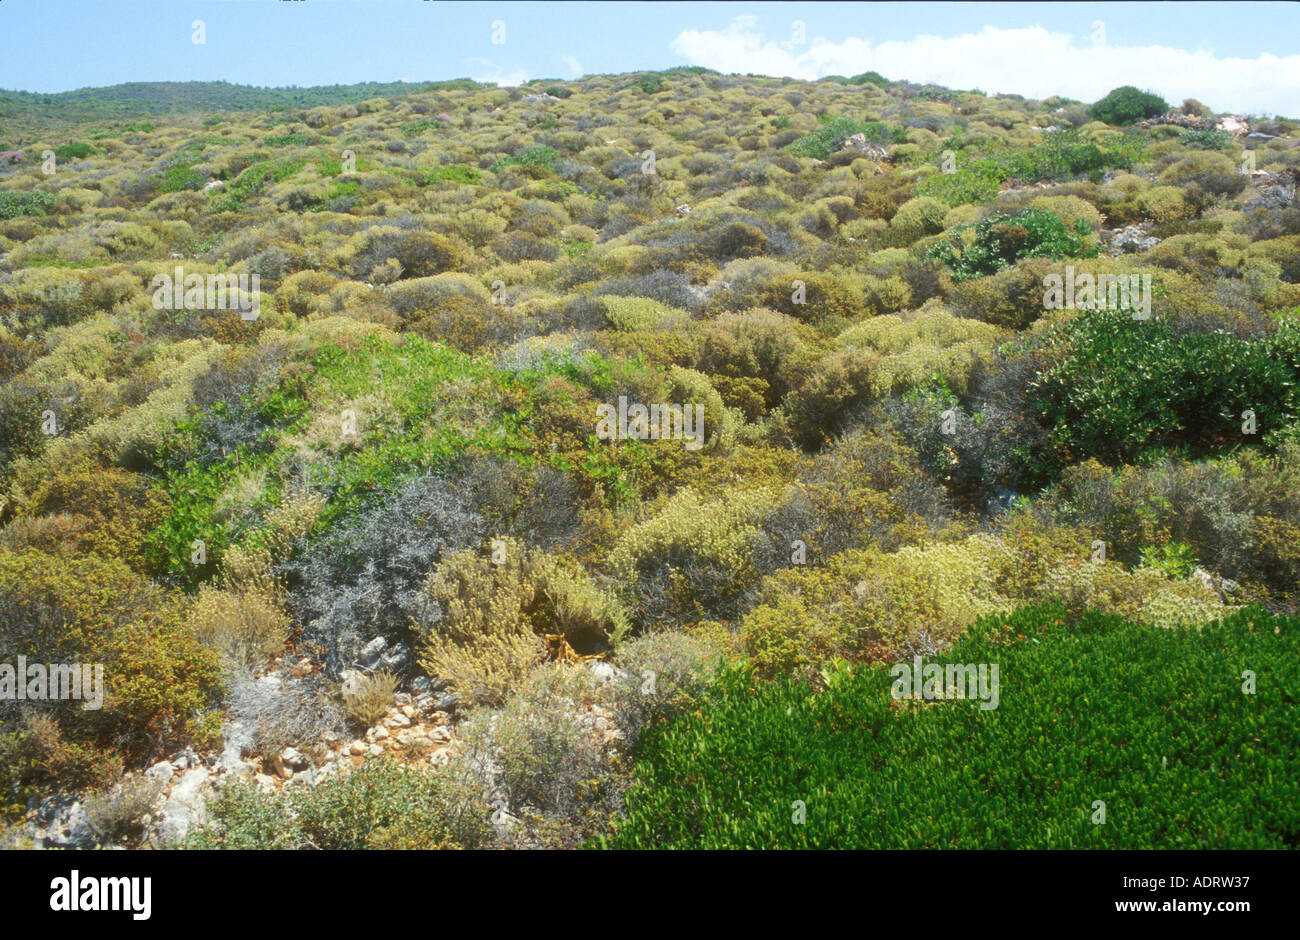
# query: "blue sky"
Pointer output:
{"type": "Point", "coordinates": [1233, 56]}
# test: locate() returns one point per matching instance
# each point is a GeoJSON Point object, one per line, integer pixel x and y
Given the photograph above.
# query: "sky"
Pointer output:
{"type": "Point", "coordinates": [1239, 56]}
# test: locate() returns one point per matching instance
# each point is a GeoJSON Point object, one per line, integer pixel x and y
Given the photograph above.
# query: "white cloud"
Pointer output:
{"type": "Point", "coordinates": [493, 73]}
{"type": "Point", "coordinates": [1030, 61]}
{"type": "Point", "coordinates": [574, 66]}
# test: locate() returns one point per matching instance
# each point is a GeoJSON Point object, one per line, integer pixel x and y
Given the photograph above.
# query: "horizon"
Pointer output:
{"type": "Point", "coordinates": [1248, 63]}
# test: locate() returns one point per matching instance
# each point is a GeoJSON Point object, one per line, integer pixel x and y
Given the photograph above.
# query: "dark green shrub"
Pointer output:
{"type": "Point", "coordinates": [1061, 156]}
{"type": "Point", "coordinates": [13, 205]}
{"type": "Point", "coordinates": [872, 78]}
{"type": "Point", "coordinates": [385, 805]}
{"type": "Point", "coordinates": [292, 140]}
{"type": "Point", "coordinates": [537, 158]}
{"type": "Point", "coordinates": [1128, 105]}
{"type": "Point", "coordinates": [1206, 139]}
{"type": "Point", "coordinates": [460, 173]}
{"type": "Point", "coordinates": [76, 151]}
{"type": "Point", "coordinates": [180, 177]}
{"type": "Point", "coordinates": [1202, 764]}
{"type": "Point", "coordinates": [243, 816]}
{"type": "Point", "coordinates": [1124, 386]}
{"type": "Point", "coordinates": [1002, 239]}
{"type": "Point", "coordinates": [828, 138]}
{"type": "Point", "coordinates": [415, 128]}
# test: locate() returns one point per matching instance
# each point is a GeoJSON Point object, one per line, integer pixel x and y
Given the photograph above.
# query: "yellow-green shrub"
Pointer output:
{"type": "Point", "coordinates": [494, 617]}
{"type": "Point", "coordinates": [1165, 204]}
{"type": "Point", "coordinates": [692, 555]}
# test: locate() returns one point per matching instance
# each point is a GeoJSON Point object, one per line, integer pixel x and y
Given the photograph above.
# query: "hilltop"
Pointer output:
{"type": "Point", "coordinates": [324, 428]}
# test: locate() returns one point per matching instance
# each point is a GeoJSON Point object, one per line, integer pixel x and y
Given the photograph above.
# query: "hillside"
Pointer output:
{"type": "Point", "coordinates": [468, 456]}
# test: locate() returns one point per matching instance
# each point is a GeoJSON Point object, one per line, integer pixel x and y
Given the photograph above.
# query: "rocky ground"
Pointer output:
{"type": "Point", "coordinates": [420, 728]}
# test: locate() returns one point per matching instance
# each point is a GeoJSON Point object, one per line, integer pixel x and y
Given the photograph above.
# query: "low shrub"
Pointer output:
{"type": "Point", "coordinates": [371, 697]}
{"type": "Point", "coordinates": [1123, 387]}
{"type": "Point", "coordinates": [1001, 239]}
{"type": "Point", "coordinates": [116, 814]}
{"type": "Point", "coordinates": [1202, 769]}
{"type": "Point", "coordinates": [488, 621]}
{"type": "Point", "coordinates": [1128, 105]}
{"type": "Point", "coordinates": [693, 559]}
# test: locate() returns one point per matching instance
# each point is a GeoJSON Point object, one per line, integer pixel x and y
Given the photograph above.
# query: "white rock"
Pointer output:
{"type": "Point", "coordinates": [185, 806]}
{"type": "Point", "coordinates": [350, 678]}
{"type": "Point", "coordinates": [605, 673]}
{"type": "Point", "coordinates": [358, 747]}
{"type": "Point", "coordinates": [161, 771]}
{"type": "Point", "coordinates": [238, 736]}
{"type": "Point", "coordinates": [1231, 125]}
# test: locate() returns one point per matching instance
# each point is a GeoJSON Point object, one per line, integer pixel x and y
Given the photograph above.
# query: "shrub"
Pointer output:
{"type": "Point", "coordinates": [370, 697]}
{"type": "Point", "coordinates": [1205, 174]}
{"type": "Point", "coordinates": [828, 138]}
{"type": "Point", "coordinates": [868, 604]}
{"type": "Point", "coordinates": [382, 804]}
{"type": "Point", "coordinates": [692, 560]}
{"type": "Point", "coordinates": [1226, 512]}
{"type": "Point", "coordinates": [13, 205]}
{"type": "Point", "coordinates": [866, 489]}
{"type": "Point", "coordinates": [536, 159]}
{"type": "Point", "coordinates": [489, 622]}
{"type": "Point", "coordinates": [419, 254]}
{"type": "Point", "coordinates": [243, 816]}
{"type": "Point", "coordinates": [918, 217]}
{"type": "Point", "coordinates": [641, 313]}
{"type": "Point", "coordinates": [1124, 386]}
{"type": "Point", "coordinates": [1128, 105]}
{"type": "Point", "coordinates": [280, 714]}
{"type": "Point", "coordinates": [726, 776]}
{"type": "Point", "coordinates": [841, 382]}
{"type": "Point", "coordinates": [160, 682]}
{"type": "Point", "coordinates": [115, 814]}
{"type": "Point", "coordinates": [1001, 239]}
{"type": "Point", "coordinates": [869, 78]}
{"type": "Point", "coordinates": [1166, 204]}
{"type": "Point", "coordinates": [1061, 155]}
{"type": "Point", "coordinates": [758, 344]}
{"type": "Point", "coordinates": [541, 753]}
{"type": "Point", "coordinates": [1206, 139]}
{"type": "Point", "coordinates": [379, 805]}
{"type": "Point", "coordinates": [456, 173]}
{"type": "Point", "coordinates": [113, 509]}
{"type": "Point", "coordinates": [664, 674]}
{"type": "Point", "coordinates": [1012, 297]}
{"type": "Point", "coordinates": [417, 127]}
{"type": "Point", "coordinates": [244, 619]}
{"type": "Point", "coordinates": [74, 151]}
